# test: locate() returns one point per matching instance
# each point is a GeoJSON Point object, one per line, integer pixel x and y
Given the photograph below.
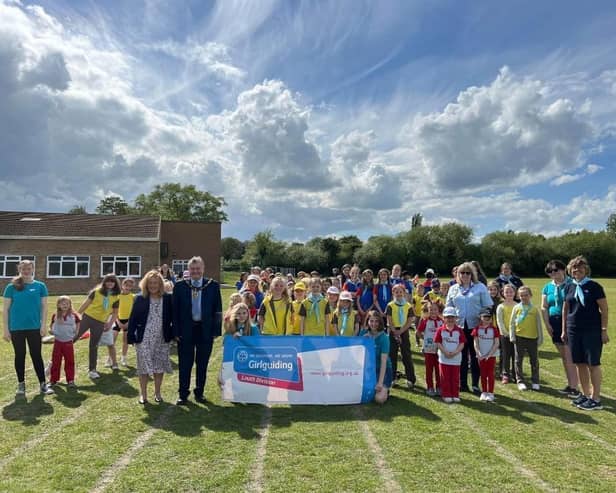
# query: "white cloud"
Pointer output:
{"type": "Point", "coordinates": [591, 169]}
{"type": "Point", "coordinates": [505, 134]}
{"type": "Point", "coordinates": [563, 179]}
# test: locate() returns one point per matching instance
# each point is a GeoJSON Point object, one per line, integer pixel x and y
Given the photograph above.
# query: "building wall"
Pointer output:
{"type": "Point", "coordinates": [148, 250]}
{"type": "Point", "coordinates": [188, 239]}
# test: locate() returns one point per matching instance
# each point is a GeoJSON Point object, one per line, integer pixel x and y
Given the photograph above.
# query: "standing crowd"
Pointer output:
{"type": "Point", "coordinates": [463, 325]}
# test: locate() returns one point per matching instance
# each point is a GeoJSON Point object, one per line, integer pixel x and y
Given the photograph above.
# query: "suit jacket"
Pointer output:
{"type": "Point", "coordinates": [211, 311]}
{"type": "Point", "coordinates": [139, 317]}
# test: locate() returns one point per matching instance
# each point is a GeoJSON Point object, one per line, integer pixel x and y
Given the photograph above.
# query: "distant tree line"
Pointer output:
{"type": "Point", "coordinates": [439, 247]}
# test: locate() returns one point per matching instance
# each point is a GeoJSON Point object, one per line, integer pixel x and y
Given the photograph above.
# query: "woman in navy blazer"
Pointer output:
{"type": "Point", "coordinates": [150, 329]}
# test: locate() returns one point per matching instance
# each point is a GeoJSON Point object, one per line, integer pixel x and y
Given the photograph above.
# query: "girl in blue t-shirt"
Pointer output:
{"type": "Point", "coordinates": [364, 296]}
{"type": "Point", "coordinates": [384, 373]}
{"type": "Point", "coordinates": [382, 292]}
{"type": "Point", "coordinates": [25, 315]}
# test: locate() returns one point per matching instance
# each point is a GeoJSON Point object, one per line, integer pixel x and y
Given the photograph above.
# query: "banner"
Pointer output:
{"type": "Point", "coordinates": [299, 370]}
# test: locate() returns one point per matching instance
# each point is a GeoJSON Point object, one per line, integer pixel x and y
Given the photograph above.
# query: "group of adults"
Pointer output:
{"type": "Point", "coordinates": [574, 307]}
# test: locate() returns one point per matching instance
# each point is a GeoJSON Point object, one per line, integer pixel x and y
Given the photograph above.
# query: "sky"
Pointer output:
{"type": "Point", "coordinates": [316, 118]}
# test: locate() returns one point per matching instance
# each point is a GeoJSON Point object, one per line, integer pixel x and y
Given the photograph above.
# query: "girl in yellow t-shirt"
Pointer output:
{"type": "Point", "coordinates": [314, 311]}
{"type": "Point", "coordinates": [100, 311]}
{"type": "Point", "coordinates": [275, 309]}
{"type": "Point", "coordinates": [126, 299]}
{"type": "Point", "coordinates": [293, 324]}
{"type": "Point", "coordinates": [503, 321]}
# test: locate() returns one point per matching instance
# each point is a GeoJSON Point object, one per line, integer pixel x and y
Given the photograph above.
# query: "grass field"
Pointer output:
{"type": "Point", "coordinates": [99, 438]}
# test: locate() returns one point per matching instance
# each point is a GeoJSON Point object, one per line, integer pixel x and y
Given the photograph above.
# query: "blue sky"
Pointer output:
{"type": "Point", "coordinates": [316, 118]}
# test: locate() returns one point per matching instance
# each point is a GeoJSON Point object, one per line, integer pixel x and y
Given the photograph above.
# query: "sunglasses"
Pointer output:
{"type": "Point", "coordinates": [552, 271]}
{"type": "Point", "coordinates": [465, 273]}
{"type": "Point", "coordinates": [486, 316]}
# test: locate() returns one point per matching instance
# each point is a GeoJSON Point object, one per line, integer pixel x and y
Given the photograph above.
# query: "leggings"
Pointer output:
{"type": "Point", "coordinates": [33, 337]}
{"type": "Point", "coordinates": [96, 331]}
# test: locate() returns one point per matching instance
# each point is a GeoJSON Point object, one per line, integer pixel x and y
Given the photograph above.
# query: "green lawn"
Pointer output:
{"type": "Point", "coordinates": [100, 439]}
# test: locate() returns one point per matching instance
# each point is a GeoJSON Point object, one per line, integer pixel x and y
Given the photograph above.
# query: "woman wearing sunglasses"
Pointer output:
{"type": "Point", "coordinates": [469, 297]}
{"type": "Point", "coordinates": [552, 298]}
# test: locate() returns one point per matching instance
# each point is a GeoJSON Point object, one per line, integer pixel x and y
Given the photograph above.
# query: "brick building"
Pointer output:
{"type": "Point", "coordinates": [71, 252]}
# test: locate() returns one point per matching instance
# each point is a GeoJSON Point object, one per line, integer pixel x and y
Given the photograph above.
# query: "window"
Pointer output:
{"type": "Point", "coordinates": [68, 266]}
{"type": "Point", "coordinates": [9, 263]}
{"type": "Point", "coordinates": [122, 266]}
{"type": "Point", "coordinates": [179, 266]}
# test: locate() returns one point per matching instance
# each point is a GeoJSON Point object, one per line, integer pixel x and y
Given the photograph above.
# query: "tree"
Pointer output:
{"type": "Point", "coordinates": [114, 206]}
{"type": "Point", "coordinates": [611, 225]}
{"type": "Point", "coordinates": [174, 202]}
{"type": "Point", "coordinates": [78, 209]}
{"type": "Point", "coordinates": [348, 246]}
{"type": "Point", "coordinates": [416, 220]}
{"type": "Point", "coordinates": [232, 248]}
{"type": "Point", "coordinates": [265, 250]}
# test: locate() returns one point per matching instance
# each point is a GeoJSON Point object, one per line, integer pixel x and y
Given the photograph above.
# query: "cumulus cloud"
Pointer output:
{"type": "Point", "coordinates": [591, 169]}
{"type": "Point", "coordinates": [505, 134]}
{"type": "Point", "coordinates": [563, 179]}
{"type": "Point", "coordinates": [269, 126]}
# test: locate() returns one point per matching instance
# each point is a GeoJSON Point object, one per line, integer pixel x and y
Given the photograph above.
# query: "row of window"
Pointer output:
{"type": "Point", "coordinates": [60, 266]}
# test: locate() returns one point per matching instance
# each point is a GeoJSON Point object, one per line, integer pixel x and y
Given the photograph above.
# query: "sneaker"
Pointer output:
{"type": "Point", "coordinates": [476, 390]}
{"type": "Point", "coordinates": [590, 405]}
{"type": "Point", "coordinates": [21, 388]}
{"type": "Point", "coordinates": [410, 385]}
{"type": "Point", "coordinates": [574, 394]}
{"type": "Point", "coordinates": [93, 374]}
{"type": "Point", "coordinates": [448, 400]}
{"type": "Point", "coordinates": [115, 367]}
{"type": "Point", "coordinates": [108, 363]}
{"type": "Point", "coordinates": [581, 399]}
{"type": "Point", "coordinates": [535, 386]}
{"type": "Point", "coordinates": [72, 385]}
{"type": "Point", "coordinates": [437, 391]}
{"type": "Point", "coordinates": [483, 396]}
{"type": "Point", "coordinates": [522, 386]}
{"type": "Point", "coordinates": [505, 380]}
{"type": "Point", "coordinates": [430, 392]}
{"type": "Point", "coordinates": [491, 397]}
{"type": "Point", "coordinates": [123, 361]}
{"type": "Point", "coordinates": [46, 389]}
{"type": "Point", "coordinates": [455, 399]}
{"type": "Point", "coordinates": [565, 390]}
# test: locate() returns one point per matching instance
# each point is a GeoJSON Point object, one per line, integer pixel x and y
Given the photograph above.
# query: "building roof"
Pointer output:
{"type": "Point", "coordinates": [46, 225]}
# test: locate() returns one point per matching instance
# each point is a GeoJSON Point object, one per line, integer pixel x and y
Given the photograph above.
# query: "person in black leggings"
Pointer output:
{"type": "Point", "coordinates": [25, 313]}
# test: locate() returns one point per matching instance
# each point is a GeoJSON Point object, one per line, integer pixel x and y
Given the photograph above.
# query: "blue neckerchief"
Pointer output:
{"type": "Point", "coordinates": [106, 301]}
{"type": "Point", "coordinates": [579, 292]}
{"type": "Point", "coordinates": [525, 310]}
{"type": "Point", "coordinates": [314, 307]}
{"type": "Point", "coordinates": [400, 304]}
{"type": "Point", "coordinates": [505, 278]}
{"type": "Point", "coordinates": [385, 291]}
{"type": "Point", "coordinates": [240, 329]}
{"type": "Point", "coordinates": [558, 291]}
{"type": "Point", "coordinates": [344, 320]}
{"type": "Point", "coordinates": [465, 291]}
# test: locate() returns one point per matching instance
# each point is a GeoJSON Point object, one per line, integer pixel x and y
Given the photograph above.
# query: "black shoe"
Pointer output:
{"type": "Point", "coordinates": [142, 401]}
{"type": "Point", "coordinates": [200, 399]}
{"type": "Point", "coordinates": [464, 389]}
{"type": "Point", "coordinates": [566, 390]}
{"type": "Point", "coordinates": [158, 399]}
{"type": "Point", "coordinates": [181, 402]}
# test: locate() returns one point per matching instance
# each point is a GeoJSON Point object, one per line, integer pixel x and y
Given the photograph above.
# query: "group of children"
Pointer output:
{"type": "Point", "coordinates": [66, 327]}
{"type": "Point", "coordinates": [387, 310]}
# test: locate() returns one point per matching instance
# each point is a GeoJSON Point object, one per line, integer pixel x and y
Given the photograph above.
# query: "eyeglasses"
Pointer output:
{"type": "Point", "coordinates": [465, 273]}
{"type": "Point", "coordinates": [552, 271]}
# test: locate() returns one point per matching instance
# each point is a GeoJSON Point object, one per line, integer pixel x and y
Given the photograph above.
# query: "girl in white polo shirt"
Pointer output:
{"type": "Point", "coordinates": [450, 341]}
{"type": "Point", "coordinates": [486, 342]}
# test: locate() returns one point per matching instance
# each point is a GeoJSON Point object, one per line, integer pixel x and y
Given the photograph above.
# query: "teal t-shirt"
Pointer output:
{"type": "Point", "coordinates": [555, 296]}
{"type": "Point", "coordinates": [381, 344]}
{"type": "Point", "coordinates": [25, 311]}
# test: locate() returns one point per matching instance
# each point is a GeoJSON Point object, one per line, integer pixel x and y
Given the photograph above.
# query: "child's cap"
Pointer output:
{"type": "Point", "coordinates": [345, 296]}
{"type": "Point", "coordinates": [253, 277]}
{"type": "Point", "coordinates": [429, 271]}
{"type": "Point", "coordinates": [333, 290]}
{"type": "Point", "coordinates": [450, 311]}
{"type": "Point", "coordinates": [299, 286]}
{"type": "Point", "coordinates": [436, 283]}
{"type": "Point", "coordinates": [485, 312]}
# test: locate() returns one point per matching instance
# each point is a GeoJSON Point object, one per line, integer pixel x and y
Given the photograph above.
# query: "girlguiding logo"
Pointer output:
{"type": "Point", "coordinates": [269, 366]}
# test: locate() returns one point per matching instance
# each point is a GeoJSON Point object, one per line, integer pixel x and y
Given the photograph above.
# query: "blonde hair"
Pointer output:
{"type": "Point", "coordinates": [143, 285]}
{"type": "Point", "coordinates": [233, 319]}
{"type": "Point", "coordinates": [70, 305]}
{"type": "Point", "coordinates": [284, 294]}
{"type": "Point", "coordinates": [168, 286]}
{"type": "Point", "coordinates": [234, 299]}
{"type": "Point", "coordinates": [525, 288]}
{"type": "Point", "coordinates": [574, 262]}
{"type": "Point", "coordinates": [467, 267]}
{"type": "Point", "coordinates": [315, 280]}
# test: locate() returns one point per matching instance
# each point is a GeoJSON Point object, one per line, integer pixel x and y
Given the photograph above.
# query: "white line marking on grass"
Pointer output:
{"type": "Point", "coordinates": [391, 485]}
{"type": "Point", "coordinates": [575, 426]}
{"type": "Point", "coordinates": [504, 454]}
{"type": "Point", "coordinates": [118, 466]}
{"type": "Point", "coordinates": [256, 478]}
{"type": "Point", "coordinates": [40, 437]}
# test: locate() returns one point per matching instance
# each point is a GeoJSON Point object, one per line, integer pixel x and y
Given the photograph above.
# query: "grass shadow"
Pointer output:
{"type": "Point", "coordinates": [69, 396]}
{"type": "Point", "coordinates": [27, 412]}
{"type": "Point", "coordinates": [116, 383]}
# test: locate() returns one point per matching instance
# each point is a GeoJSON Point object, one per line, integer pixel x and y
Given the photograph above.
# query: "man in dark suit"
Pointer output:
{"type": "Point", "coordinates": [197, 320]}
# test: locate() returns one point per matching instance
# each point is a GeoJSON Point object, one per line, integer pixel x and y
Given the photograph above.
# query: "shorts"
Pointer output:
{"type": "Point", "coordinates": [556, 323]}
{"type": "Point", "coordinates": [117, 328]}
{"type": "Point", "coordinates": [586, 347]}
